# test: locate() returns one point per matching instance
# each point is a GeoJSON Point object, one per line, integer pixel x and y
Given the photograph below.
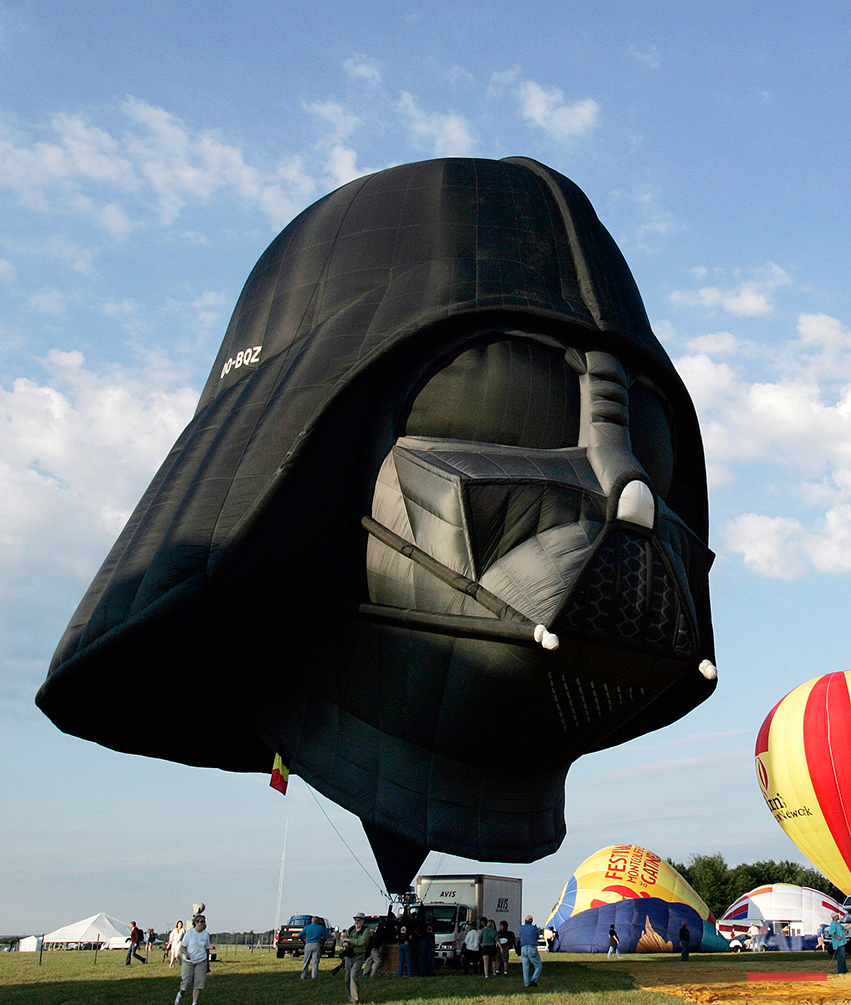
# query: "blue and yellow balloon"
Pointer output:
{"type": "Point", "coordinates": [646, 900]}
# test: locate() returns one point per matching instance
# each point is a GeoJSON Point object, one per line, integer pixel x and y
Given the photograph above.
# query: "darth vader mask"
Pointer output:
{"type": "Point", "coordinates": [442, 504]}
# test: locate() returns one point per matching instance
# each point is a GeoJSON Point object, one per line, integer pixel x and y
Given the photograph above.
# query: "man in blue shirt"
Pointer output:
{"type": "Point", "coordinates": [529, 955]}
{"type": "Point", "coordinates": [836, 933]}
{"type": "Point", "coordinates": [314, 936]}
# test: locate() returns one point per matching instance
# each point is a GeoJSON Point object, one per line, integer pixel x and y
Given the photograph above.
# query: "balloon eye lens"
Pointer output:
{"type": "Point", "coordinates": [513, 392]}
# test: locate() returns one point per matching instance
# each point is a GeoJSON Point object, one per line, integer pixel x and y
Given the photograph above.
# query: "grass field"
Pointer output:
{"type": "Point", "coordinates": [259, 978]}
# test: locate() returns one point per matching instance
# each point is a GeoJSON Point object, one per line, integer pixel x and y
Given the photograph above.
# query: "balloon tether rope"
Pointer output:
{"type": "Point", "coordinates": [348, 846]}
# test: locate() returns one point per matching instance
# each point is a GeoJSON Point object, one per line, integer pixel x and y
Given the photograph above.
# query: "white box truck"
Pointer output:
{"type": "Point", "coordinates": [457, 902]}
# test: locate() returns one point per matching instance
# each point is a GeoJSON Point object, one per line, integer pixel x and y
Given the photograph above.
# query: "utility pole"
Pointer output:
{"type": "Point", "coordinates": [281, 883]}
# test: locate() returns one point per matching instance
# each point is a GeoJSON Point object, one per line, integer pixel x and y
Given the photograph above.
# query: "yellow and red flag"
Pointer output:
{"type": "Point", "coordinates": [280, 775]}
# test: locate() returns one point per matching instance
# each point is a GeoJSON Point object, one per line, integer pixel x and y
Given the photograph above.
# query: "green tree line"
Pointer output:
{"type": "Point", "coordinates": [719, 885]}
{"type": "Point", "coordinates": [251, 938]}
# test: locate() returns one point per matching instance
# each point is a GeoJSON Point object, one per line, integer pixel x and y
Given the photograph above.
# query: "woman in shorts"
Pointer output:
{"type": "Point", "coordinates": [488, 949]}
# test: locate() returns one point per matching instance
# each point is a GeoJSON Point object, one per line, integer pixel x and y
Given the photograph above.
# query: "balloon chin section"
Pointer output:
{"type": "Point", "coordinates": [404, 728]}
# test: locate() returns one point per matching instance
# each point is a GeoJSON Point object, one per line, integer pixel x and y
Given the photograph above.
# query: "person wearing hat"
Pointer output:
{"type": "Point", "coordinates": [194, 959]}
{"type": "Point", "coordinates": [355, 940]}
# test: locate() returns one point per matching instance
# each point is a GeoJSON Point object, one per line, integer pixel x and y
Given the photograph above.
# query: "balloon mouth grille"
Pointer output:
{"type": "Point", "coordinates": [629, 591]}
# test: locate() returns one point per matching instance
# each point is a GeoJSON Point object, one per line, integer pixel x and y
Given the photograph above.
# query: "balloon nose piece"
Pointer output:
{"type": "Point", "coordinates": [637, 505]}
{"type": "Point", "coordinates": [708, 669]}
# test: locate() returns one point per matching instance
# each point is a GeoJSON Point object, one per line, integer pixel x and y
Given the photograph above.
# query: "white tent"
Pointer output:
{"type": "Point", "coordinates": [98, 928]}
{"type": "Point", "coordinates": [803, 909]}
{"type": "Point", "coordinates": [29, 944]}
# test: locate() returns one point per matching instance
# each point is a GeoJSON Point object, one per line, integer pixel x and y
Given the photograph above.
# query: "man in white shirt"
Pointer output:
{"type": "Point", "coordinates": [194, 959]}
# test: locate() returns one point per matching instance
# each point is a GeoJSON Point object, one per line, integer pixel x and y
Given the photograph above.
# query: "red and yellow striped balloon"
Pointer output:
{"type": "Point", "coordinates": [803, 763]}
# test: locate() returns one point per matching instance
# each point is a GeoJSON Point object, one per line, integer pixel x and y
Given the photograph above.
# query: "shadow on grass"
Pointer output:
{"type": "Point", "coordinates": [246, 980]}
{"type": "Point", "coordinates": [265, 988]}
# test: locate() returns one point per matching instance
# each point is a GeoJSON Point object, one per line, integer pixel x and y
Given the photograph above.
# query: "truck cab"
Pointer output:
{"type": "Point", "coordinates": [451, 924]}
{"type": "Point", "coordinates": [288, 940]}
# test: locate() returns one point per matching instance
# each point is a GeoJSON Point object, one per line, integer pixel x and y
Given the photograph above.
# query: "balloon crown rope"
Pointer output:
{"type": "Point", "coordinates": [510, 622]}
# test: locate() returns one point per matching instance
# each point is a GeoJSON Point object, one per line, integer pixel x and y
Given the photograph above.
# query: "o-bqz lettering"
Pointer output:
{"type": "Point", "coordinates": [242, 358]}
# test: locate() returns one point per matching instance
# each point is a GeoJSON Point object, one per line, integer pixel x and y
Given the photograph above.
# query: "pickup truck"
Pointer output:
{"type": "Point", "coordinates": [288, 941]}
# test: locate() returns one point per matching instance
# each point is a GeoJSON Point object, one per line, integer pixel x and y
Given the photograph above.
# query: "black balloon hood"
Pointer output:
{"type": "Point", "coordinates": [457, 348]}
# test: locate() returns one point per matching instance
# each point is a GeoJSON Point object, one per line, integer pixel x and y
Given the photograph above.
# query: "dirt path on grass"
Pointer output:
{"type": "Point", "coordinates": [719, 982]}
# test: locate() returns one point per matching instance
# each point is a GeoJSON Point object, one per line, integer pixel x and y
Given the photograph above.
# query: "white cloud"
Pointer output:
{"type": "Point", "coordinates": [342, 165]}
{"type": "Point", "coordinates": [158, 162]}
{"type": "Point", "coordinates": [360, 68]}
{"type": "Point", "coordinates": [709, 383]}
{"type": "Point", "coordinates": [649, 58]}
{"type": "Point", "coordinates": [113, 219]}
{"type": "Point", "coordinates": [796, 427]}
{"type": "Point", "coordinates": [342, 121]}
{"type": "Point", "coordinates": [830, 550]}
{"type": "Point", "coordinates": [784, 548]}
{"type": "Point", "coordinates": [289, 191]}
{"type": "Point", "coordinates": [127, 313]}
{"type": "Point", "coordinates": [547, 109]}
{"type": "Point", "coordinates": [823, 331]}
{"type": "Point", "coordinates": [500, 81]}
{"type": "Point", "coordinates": [7, 270]}
{"type": "Point", "coordinates": [204, 315]}
{"type": "Point", "coordinates": [654, 221]}
{"type": "Point", "coordinates": [78, 451]}
{"type": "Point", "coordinates": [457, 75]}
{"type": "Point", "coordinates": [78, 258]}
{"type": "Point", "coordinates": [68, 252]}
{"type": "Point", "coordinates": [80, 155]}
{"type": "Point", "coordinates": [340, 161]}
{"type": "Point", "coordinates": [48, 300]}
{"type": "Point", "coordinates": [789, 421]}
{"type": "Point", "coordinates": [715, 344]}
{"type": "Point", "coordinates": [85, 151]}
{"type": "Point", "coordinates": [180, 166]}
{"type": "Point", "coordinates": [748, 298]}
{"type": "Point", "coordinates": [769, 546]}
{"type": "Point", "coordinates": [447, 134]}
{"type": "Point", "coordinates": [211, 300]}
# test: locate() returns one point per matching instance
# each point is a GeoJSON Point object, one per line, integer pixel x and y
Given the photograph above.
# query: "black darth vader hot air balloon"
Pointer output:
{"type": "Point", "coordinates": [444, 495]}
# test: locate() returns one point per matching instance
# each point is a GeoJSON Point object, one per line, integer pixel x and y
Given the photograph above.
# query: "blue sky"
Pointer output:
{"type": "Point", "coordinates": [149, 153]}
